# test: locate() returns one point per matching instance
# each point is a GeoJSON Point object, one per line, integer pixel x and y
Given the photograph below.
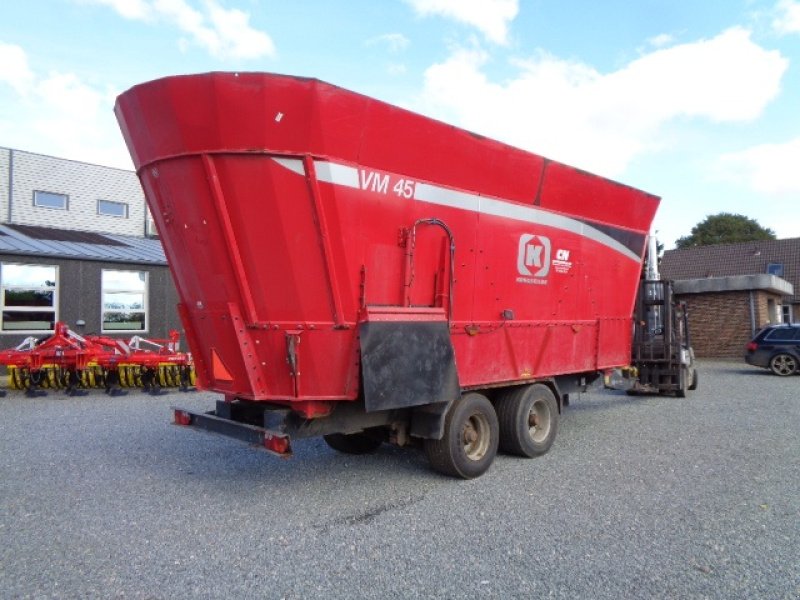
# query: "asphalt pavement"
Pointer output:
{"type": "Point", "coordinates": [646, 497]}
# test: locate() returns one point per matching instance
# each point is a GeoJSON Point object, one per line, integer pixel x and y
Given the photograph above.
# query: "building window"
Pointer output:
{"type": "Point", "coordinates": [50, 200]}
{"type": "Point", "coordinates": [112, 209]}
{"type": "Point", "coordinates": [29, 297]}
{"type": "Point", "coordinates": [775, 269]}
{"type": "Point", "coordinates": [124, 300]}
{"type": "Point", "coordinates": [787, 313]}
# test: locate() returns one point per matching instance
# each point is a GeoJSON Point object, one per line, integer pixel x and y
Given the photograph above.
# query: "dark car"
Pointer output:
{"type": "Point", "coordinates": [777, 348]}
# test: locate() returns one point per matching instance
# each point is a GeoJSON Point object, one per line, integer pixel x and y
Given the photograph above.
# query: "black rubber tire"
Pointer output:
{"type": "Point", "coordinates": [683, 382]}
{"type": "Point", "coordinates": [515, 409]}
{"type": "Point", "coordinates": [783, 365]}
{"type": "Point", "coordinates": [474, 416]}
{"type": "Point", "coordinates": [354, 443]}
{"type": "Point", "coordinates": [695, 379]}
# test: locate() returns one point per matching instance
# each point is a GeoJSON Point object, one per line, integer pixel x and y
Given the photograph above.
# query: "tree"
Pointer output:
{"type": "Point", "coordinates": [725, 228]}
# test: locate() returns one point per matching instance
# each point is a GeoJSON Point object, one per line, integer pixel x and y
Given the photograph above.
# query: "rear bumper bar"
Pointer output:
{"type": "Point", "coordinates": [275, 442]}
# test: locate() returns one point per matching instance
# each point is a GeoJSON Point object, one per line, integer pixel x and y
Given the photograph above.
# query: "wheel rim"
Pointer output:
{"type": "Point", "coordinates": [476, 436]}
{"type": "Point", "coordinates": [784, 365]}
{"type": "Point", "coordinates": [539, 421]}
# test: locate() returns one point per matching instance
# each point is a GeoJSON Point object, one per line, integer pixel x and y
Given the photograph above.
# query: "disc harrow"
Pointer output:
{"type": "Point", "coordinates": [74, 363]}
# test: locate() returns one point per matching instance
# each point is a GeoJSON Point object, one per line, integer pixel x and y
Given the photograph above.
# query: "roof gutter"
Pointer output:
{"type": "Point", "coordinates": [102, 259]}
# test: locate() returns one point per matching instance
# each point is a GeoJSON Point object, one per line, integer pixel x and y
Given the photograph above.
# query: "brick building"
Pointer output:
{"type": "Point", "coordinates": [733, 290]}
{"type": "Point", "coordinates": [77, 245]}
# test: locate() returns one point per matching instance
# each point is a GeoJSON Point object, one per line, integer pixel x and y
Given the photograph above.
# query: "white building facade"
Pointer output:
{"type": "Point", "coordinates": [36, 189]}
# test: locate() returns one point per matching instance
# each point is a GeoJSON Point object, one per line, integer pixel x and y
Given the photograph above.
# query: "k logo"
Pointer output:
{"type": "Point", "coordinates": [534, 253]}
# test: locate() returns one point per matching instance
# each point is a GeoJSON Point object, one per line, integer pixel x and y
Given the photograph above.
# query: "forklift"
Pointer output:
{"type": "Point", "coordinates": [662, 358]}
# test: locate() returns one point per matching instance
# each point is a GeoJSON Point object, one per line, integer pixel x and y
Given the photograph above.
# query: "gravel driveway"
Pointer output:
{"type": "Point", "coordinates": [639, 497]}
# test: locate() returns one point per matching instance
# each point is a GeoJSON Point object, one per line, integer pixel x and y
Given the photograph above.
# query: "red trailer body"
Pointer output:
{"type": "Point", "coordinates": [316, 236]}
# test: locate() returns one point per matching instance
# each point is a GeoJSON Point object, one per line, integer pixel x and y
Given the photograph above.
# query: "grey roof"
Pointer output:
{"type": "Point", "coordinates": [725, 260]}
{"type": "Point", "coordinates": [37, 232]}
{"type": "Point", "coordinates": [117, 248]}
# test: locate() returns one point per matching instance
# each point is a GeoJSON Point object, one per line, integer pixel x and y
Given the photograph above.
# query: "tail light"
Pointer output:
{"type": "Point", "coordinates": [279, 444]}
{"type": "Point", "coordinates": [182, 418]}
{"type": "Point", "coordinates": [751, 346]}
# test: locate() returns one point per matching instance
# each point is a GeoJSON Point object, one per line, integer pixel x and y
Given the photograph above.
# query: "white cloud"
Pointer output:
{"type": "Point", "coordinates": [770, 169]}
{"type": "Point", "coordinates": [395, 42]}
{"type": "Point", "coordinates": [57, 114]}
{"type": "Point", "coordinates": [14, 69]}
{"type": "Point", "coordinates": [787, 19]}
{"type": "Point", "coordinates": [767, 179]}
{"type": "Point", "coordinates": [225, 33]}
{"type": "Point", "coordinates": [572, 112]}
{"type": "Point", "coordinates": [490, 17]}
{"type": "Point", "coordinates": [661, 40]}
{"type": "Point", "coordinates": [130, 9]}
{"type": "Point", "coordinates": [236, 38]}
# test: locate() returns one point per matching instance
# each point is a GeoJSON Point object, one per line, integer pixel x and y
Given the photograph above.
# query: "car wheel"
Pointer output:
{"type": "Point", "coordinates": [783, 364]}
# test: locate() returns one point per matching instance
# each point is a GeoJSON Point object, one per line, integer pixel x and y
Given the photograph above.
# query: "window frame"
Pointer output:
{"type": "Point", "coordinates": [776, 269]}
{"type": "Point", "coordinates": [37, 205]}
{"type": "Point", "coordinates": [145, 310]}
{"type": "Point", "coordinates": [30, 309]}
{"type": "Point", "coordinates": [124, 205]}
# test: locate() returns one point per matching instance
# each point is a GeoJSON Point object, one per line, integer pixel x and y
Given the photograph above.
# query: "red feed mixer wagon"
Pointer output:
{"type": "Point", "coordinates": [350, 269]}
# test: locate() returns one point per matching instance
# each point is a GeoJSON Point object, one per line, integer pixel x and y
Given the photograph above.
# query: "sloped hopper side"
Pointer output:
{"type": "Point", "coordinates": [241, 234]}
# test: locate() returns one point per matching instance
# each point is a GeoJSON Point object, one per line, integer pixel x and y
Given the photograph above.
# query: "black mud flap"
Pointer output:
{"type": "Point", "coordinates": [408, 364]}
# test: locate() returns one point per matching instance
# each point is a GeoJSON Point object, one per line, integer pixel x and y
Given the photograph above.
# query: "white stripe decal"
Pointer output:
{"type": "Point", "coordinates": [293, 164]}
{"type": "Point", "coordinates": [499, 208]}
{"type": "Point", "coordinates": [444, 197]}
{"type": "Point", "coordinates": [337, 174]}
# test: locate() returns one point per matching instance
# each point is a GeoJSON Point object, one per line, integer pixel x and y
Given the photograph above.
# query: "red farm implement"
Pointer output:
{"type": "Point", "coordinates": [350, 269]}
{"type": "Point", "coordinates": [68, 361]}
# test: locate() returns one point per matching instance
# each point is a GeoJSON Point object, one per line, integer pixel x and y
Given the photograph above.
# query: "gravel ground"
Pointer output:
{"type": "Point", "coordinates": [639, 497]}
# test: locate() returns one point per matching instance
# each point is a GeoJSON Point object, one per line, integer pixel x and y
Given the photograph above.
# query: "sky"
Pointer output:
{"type": "Point", "coordinates": [696, 102]}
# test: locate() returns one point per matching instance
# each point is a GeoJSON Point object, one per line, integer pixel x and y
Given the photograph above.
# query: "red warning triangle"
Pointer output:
{"type": "Point", "coordinates": [218, 369]}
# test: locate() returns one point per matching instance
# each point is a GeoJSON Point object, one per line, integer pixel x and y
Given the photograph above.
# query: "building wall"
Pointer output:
{"type": "Point", "coordinates": [4, 165]}
{"type": "Point", "coordinates": [762, 309]}
{"type": "Point", "coordinates": [79, 291]}
{"type": "Point", "coordinates": [720, 323]}
{"type": "Point", "coordinates": [83, 183]}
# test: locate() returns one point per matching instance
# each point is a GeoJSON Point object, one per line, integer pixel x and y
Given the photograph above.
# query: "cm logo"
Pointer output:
{"type": "Point", "coordinates": [534, 253]}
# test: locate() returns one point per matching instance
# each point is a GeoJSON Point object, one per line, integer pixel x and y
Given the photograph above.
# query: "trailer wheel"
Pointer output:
{"type": "Point", "coordinates": [783, 364]}
{"type": "Point", "coordinates": [470, 441]}
{"type": "Point", "coordinates": [354, 443]}
{"type": "Point", "coordinates": [528, 418]}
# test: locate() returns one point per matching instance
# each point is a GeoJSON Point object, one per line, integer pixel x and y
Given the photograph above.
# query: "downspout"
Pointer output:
{"type": "Point", "coordinates": [752, 314]}
{"type": "Point", "coordinates": [10, 182]}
